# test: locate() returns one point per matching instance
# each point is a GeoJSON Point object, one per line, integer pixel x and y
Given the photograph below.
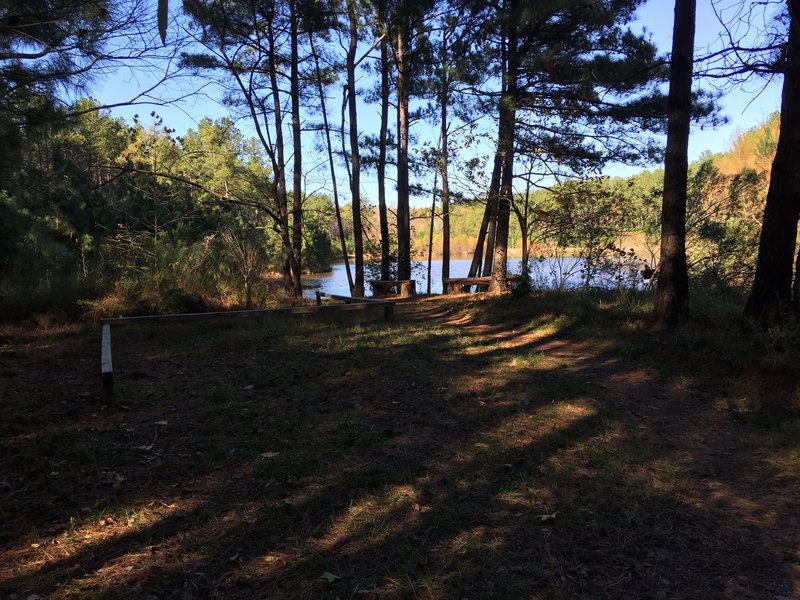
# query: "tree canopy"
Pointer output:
{"type": "Point", "coordinates": [504, 113]}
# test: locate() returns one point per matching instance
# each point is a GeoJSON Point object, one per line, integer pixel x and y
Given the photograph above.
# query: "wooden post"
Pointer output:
{"type": "Point", "coordinates": [388, 312]}
{"type": "Point", "coordinates": [319, 298]}
{"type": "Point", "coordinates": [106, 368]}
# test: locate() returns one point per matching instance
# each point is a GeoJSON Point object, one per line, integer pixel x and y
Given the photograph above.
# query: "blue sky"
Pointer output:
{"type": "Point", "coordinates": [744, 107]}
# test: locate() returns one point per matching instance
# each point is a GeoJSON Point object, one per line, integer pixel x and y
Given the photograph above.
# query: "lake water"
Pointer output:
{"type": "Point", "coordinates": [545, 273]}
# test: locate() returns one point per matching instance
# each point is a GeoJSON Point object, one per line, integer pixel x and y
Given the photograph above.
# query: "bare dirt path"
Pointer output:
{"type": "Point", "coordinates": [754, 491]}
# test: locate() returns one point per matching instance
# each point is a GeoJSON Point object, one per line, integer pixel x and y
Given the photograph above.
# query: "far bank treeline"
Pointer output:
{"type": "Point", "coordinates": [129, 217]}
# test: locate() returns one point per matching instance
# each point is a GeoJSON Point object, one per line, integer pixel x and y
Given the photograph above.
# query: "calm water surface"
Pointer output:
{"type": "Point", "coordinates": [547, 273]}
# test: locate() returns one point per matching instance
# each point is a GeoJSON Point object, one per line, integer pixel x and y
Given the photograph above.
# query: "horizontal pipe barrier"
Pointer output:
{"type": "Point", "coordinates": [349, 304]}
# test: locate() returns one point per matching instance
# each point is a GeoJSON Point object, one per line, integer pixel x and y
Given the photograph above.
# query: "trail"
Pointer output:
{"type": "Point", "coordinates": [724, 467]}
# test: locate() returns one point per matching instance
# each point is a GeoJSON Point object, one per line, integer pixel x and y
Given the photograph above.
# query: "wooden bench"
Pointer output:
{"type": "Point", "coordinates": [454, 285]}
{"type": "Point", "coordinates": [405, 287]}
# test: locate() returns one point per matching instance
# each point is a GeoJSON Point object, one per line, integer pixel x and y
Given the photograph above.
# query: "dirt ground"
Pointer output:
{"type": "Point", "coordinates": [441, 456]}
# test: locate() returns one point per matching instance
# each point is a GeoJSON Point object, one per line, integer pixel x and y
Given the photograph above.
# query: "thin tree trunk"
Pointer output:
{"type": "Point", "coordinates": [505, 146]}
{"type": "Point", "coordinates": [382, 143]}
{"type": "Point", "coordinates": [443, 163]}
{"type": "Point", "coordinates": [445, 197]}
{"type": "Point", "coordinates": [295, 260]}
{"type": "Point", "coordinates": [772, 287]}
{"type": "Point", "coordinates": [433, 222]}
{"type": "Point", "coordinates": [355, 155]}
{"type": "Point", "coordinates": [523, 228]}
{"type": "Point", "coordinates": [403, 211]}
{"type": "Point", "coordinates": [494, 190]}
{"type": "Point", "coordinates": [672, 293]}
{"type": "Point", "coordinates": [491, 234]}
{"type": "Point", "coordinates": [279, 164]}
{"type": "Point", "coordinates": [796, 287]}
{"type": "Point", "coordinates": [525, 250]}
{"type": "Point", "coordinates": [331, 165]}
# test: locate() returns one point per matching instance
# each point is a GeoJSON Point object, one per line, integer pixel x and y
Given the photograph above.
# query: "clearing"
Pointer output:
{"type": "Point", "coordinates": [543, 447]}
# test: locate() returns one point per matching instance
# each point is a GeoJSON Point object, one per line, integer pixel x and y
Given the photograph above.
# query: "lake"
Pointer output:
{"type": "Point", "coordinates": [545, 273]}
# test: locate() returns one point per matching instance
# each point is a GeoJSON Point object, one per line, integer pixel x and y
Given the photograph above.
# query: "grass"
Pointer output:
{"type": "Point", "coordinates": [554, 446]}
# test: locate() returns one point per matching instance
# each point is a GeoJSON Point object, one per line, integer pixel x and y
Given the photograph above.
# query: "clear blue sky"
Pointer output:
{"type": "Point", "coordinates": [744, 107]}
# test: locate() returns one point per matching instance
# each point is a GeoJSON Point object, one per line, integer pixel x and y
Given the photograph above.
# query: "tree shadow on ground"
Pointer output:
{"type": "Point", "coordinates": [423, 459]}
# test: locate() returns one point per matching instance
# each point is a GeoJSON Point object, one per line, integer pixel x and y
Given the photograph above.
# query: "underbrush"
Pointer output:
{"type": "Point", "coordinates": [56, 300]}
{"type": "Point", "coordinates": [72, 301]}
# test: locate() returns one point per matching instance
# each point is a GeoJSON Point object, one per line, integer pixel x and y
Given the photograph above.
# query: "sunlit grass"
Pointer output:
{"type": "Point", "coordinates": [550, 443]}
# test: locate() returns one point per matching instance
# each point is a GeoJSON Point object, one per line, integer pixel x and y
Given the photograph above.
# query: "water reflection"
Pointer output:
{"type": "Point", "coordinates": [552, 273]}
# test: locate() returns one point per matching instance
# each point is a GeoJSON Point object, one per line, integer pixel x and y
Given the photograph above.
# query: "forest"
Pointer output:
{"type": "Point", "coordinates": [92, 217]}
{"type": "Point", "coordinates": [104, 216]}
{"type": "Point", "coordinates": [613, 412]}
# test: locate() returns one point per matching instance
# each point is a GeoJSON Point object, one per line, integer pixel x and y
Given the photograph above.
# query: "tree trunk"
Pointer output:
{"type": "Point", "coordinates": [488, 216]}
{"type": "Point", "coordinates": [443, 162]}
{"type": "Point", "coordinates": [382, 143]}
{"type": "Point", "coordinates": [295, 258]}
{"type": "Point", "coordinates": [355, 155]}
{"type": "Point", "coordinates": [331, 165]}
{"type": "Point", "coordinates": [524, 230]}
{"type": "Point", "coordinates": [445, 196]}
{"type": "Point", "coordinates": [248, 294]}
{"type": "Point", "coordinates": [672, 293]}
{"type": "Point", "coordinates": [505, 146]}
{"type": "Point", "coordinates": [403, 212]}
{"type": "Point", "coordinates": [526, 268]}
{"type": "Point", "coordinates": [772, 287]}
{"type": "Point", "coordinates": [491, 234]}
{"type": "Point", "coordinates": [499, 272]}
{"type": "Point", "coordinates": [279, 164]}
{"type": "Point", "coordinates": [433, 223]}
{"type": "Point", "coordinates": [796, 287]}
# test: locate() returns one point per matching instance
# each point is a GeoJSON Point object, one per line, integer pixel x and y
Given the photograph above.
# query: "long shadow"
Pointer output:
{"type": "Point", "coordinates": [384, 474]}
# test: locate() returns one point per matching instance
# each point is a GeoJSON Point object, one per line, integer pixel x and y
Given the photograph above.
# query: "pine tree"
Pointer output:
{"type": "Point", "coordinates": [771, 295]}
{"type": "Point", "coordinates": [672, 296]}
{"type": "Point", "coordinates": [577, 87]}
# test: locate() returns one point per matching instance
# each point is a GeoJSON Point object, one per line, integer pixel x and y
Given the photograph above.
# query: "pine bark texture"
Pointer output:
{"type": "Point", "coordinates": [672, 295]}
{"type": "Point", "coordinates": [771, 295]}
{"type": "Point", "coordinates": [295, 257]}
{"type": "Point", "coordinates": [443, 164]}
{"type": "Point", "coordinates": [403, 210]}
{"type": "Point", "coordinates": [505, 147]}
{"type": "Point", "coordinates": [383, 140]}
{"type": "Point", "coordinates": [355, 155]}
